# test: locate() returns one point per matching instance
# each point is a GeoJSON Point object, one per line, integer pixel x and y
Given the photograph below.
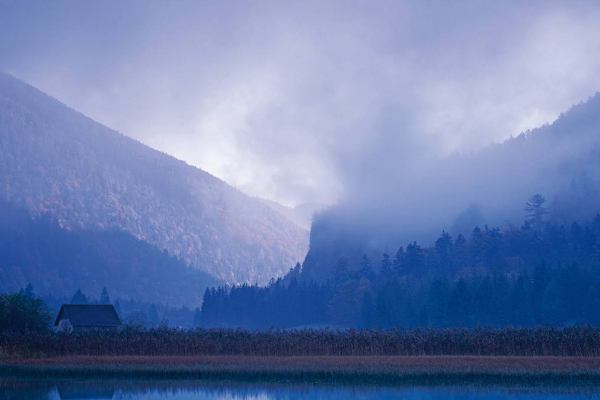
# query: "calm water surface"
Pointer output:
{"type": "Point", "coordinates": [136, 390]}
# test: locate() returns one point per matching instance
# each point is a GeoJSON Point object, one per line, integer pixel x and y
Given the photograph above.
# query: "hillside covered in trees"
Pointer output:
{"type": "Point", "coordinates": [561, 161]}
{"type": "Point", "coordinates": [489, 266]}
{"type": "Point", "coordinates": [56, 161]}
{"type": "Point", "coordinates": [538, 274]}
{"type": "Point", "coordinates": [58, 262]}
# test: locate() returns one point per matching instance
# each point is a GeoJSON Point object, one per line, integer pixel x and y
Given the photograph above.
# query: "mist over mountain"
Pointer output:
{"type": "Point", "coordinates": [305, 101]}
{"type": "Point", "coordinates": [416, 199]}
{"type": "Point", "coordinates": [58, 162]}
{"type": "Point", "coordinates": [508, 236]}
{"type": "Point", "coordinates": [301, 214]}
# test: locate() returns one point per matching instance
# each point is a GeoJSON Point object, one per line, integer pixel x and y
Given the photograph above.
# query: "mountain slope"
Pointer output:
{"type": "Point", "coordinates": [560, 161]}
{"type": "Point", "coordinates": [58, 262]}
{"type": "Point", "coordinates": [54, 160]}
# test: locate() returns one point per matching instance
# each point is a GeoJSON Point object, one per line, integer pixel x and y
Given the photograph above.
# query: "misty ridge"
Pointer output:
{"type": "Point", "coordinates": [313, 199]}
{"type": "Point", "coordinates": [396, 200]}
{"type": "Point", "coordinates": [58, 163]}
{"type": "Point", "coordinates": [79, 177]}
{"type": "Point", "coordinates": [371, 146]}
{"type": "Point", "coordinates": [508, 236]}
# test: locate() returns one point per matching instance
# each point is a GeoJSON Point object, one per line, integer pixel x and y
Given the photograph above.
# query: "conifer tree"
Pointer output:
{"type": "Point", "coordinates": [444, 249]}
{"type": "Point", "coordinates": [414, 257]}
{"type": "Point", "coordinates": [398, 261]}
{"type": "Point", "coordinates": [385, 270]}
{"type": "Point", "coordinates": [341, 274]}
{"type": "Point", "coordinates": [366, 269]}
{"type": "Point", "coordinates": [535, 211]}
{"type": "Point", "coordinates": [104, 297]}
{"type": "Point", "coordinates": [79, 298]}
{"type": "Point", "coordinates": [29, 291]}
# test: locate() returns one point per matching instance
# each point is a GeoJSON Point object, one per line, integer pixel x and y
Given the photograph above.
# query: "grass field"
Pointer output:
{"type": "Point", "coordinates": [389, 370]}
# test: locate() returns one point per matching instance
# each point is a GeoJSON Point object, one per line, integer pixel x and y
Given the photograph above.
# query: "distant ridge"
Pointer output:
{"type": "Point", "coordinates": [56, 161]}
{"type": "Point", "coordinates": [560, 161]}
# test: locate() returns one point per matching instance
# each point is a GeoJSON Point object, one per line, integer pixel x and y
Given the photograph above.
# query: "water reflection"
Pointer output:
{"type": "Point", "coordinates": [155, 390]}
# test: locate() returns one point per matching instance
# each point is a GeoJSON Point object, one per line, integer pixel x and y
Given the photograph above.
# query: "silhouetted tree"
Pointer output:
{"type": "Point", "coordinates": [104, 297]}
{"type": "Point", "coordinates": [79, 298]}
{"type": "Point", "coordinates": [385, 270]}
{"type": "Point", "coordinates": [398, 261]}
{"type": "Point", "coordinates": [414, 258]}
{"type": "Point", "coordinates": [366, 269]}
{"type": "Point", "coordinates": [444, 250]}
{"type": "Point", "coordinates": [29, 291]}
{"type": "Point", "coordinates": [535, 211]}
{"type": "Point", "coordinates": [341, 274]}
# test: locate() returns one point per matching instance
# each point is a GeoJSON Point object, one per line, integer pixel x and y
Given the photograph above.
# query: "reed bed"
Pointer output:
{"type": "Point", "coordinates": [563, 342]}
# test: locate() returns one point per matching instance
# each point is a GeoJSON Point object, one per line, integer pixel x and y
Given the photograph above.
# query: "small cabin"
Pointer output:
{"type": "Point", "coordinates": [82, 318]}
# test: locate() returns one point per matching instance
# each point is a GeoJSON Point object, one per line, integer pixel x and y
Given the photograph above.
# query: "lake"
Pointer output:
{"type": "Point", "coordinates": [178, 390]}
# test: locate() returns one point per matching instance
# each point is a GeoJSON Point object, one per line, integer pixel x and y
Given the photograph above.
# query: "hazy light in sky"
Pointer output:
{"type": "Point", "coordinates": [304, 101]}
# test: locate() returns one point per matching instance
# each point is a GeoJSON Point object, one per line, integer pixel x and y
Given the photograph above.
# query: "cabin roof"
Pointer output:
{"type": "Point", "coordinates": [89, 315]}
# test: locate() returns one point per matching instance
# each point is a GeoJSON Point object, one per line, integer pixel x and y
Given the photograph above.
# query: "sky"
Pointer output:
{"type": "Point", "coordinates": [308, 101]}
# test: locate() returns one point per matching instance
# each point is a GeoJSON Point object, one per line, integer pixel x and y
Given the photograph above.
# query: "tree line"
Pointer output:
{"type": "Point", "coordinates": [23, 313]}
{"type": "Point", "coordinates": [132, 312]}
{"type": "Point", "coordinates": [541, 273]}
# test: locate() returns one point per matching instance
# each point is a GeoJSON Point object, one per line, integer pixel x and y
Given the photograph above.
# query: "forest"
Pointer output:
{"type": "Point", "coordinates": [55, 161]}
{"type": "Point", "coordinates": [25, 332]}
{"type": "Point", "coordinates": [542, 273]}
{"type": "Point", "coordinates": [539, 274]}
{"type": "Point", "coordinates": [59, 261]}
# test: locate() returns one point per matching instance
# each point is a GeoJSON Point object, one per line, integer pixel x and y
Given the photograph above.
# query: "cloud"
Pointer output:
{"type": "Point", "coordinates": [309, 101]}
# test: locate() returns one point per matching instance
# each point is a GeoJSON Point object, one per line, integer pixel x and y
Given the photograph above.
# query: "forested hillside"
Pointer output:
{"type": "Point", "coordinates": [560, 161]}
{"type": "Point", "coordinates": [504, 256]}
{"type": "Point", "coordinates": [539, 274]}
{"type": "Point", "coordinates": [56, 161]}
{"type": "Point", "coordinates": [57, 262]}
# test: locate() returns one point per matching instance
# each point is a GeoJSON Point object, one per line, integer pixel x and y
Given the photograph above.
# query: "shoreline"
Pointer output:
{"type": "Point", "coordinates": [393, 370]}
